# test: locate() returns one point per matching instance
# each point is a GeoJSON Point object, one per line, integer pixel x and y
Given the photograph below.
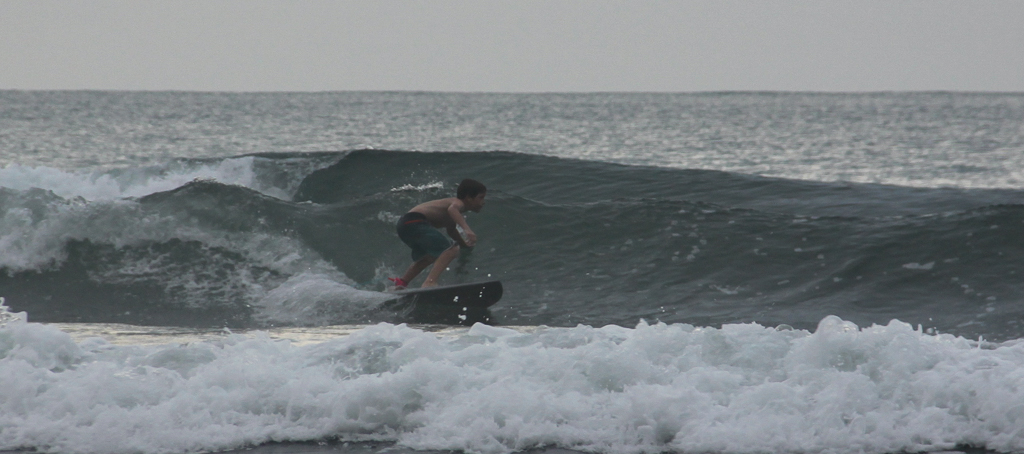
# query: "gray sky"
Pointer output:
{"type": "Point", "coordinates": [512, 46]}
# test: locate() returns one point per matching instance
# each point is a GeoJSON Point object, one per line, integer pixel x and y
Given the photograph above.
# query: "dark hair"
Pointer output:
{"type": "Point", "coordinates": [470, 188]}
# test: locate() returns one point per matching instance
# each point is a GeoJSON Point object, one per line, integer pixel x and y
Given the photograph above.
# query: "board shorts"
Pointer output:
{"type": "Point", "coordinates": [415, 231]}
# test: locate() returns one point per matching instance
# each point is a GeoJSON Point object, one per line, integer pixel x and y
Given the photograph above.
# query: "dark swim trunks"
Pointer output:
{"type": "Point", "coordinates": [415, 231]}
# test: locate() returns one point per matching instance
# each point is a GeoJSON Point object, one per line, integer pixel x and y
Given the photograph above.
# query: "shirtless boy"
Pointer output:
{"type": "Point", "coordinates": [418, 229]}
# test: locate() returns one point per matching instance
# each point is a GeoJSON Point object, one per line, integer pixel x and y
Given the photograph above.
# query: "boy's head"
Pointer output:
{"type": "Point", "coordinates": [470, 188]}
{"type": "Point", "coordinates": [471, 193]}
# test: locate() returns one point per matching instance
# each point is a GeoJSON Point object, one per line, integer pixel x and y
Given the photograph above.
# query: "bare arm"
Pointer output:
{"type": "Point", "coordinates": [456, 215]}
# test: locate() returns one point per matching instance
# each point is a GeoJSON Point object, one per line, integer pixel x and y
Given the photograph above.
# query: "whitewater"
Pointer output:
{"type": "Point", "coordinates": [649, 388]}
{"type": "Point", "coordinates": [711, 272]}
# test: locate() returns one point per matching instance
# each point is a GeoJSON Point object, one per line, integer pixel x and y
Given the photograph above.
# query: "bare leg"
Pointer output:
{"type": "Point", "coordinates": [440, 264]}
{"type": "Point", "coordinates": [416, 268]}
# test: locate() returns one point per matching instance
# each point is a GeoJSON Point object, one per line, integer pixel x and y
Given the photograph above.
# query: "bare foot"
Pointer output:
{"type": "Point", "coordinates": [429, 285]}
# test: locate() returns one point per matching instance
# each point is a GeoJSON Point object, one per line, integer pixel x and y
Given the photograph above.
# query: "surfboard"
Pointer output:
{"type": "Point", "coordinates": [474, 295]}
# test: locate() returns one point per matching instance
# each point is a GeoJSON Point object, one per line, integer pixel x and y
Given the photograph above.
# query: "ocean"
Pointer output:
{"type": "Point", "coordinates": [704, 272]}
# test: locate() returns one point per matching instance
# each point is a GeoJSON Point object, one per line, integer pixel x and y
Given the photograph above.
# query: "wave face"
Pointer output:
{"type": "Point", "coordinates": [575, 242]}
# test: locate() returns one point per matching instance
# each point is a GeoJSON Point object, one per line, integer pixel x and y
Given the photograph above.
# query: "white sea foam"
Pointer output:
{"type": "Point", "coordinates": [37, 225]}
{"type": "Point", "coordinates": [34, 230]}
{"type": "Point", "coordinates": [919, 266]}
{"type": "Point", "coordinates": [138, 182]}
{"type": "Point", "coordinates": [419, 188]}
{"type": "Point", "coordinates": [308, 298]}
{"type": "Point", "coordinates": [653, 388]}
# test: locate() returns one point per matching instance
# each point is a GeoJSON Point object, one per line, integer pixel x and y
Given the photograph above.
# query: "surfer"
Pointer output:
{"type": "Point", "coordinates": [418, 230]}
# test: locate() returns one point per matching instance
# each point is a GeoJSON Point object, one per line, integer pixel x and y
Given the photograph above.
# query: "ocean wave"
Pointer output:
{"type": "Point", "coordinates": [574, 242]}
{"type": "Point", "coordinates": [648, 389]}
{"type": "Point", "coordinates": [276, 175]}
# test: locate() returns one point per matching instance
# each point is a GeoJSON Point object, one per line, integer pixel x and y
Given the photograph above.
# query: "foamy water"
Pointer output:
{"type": "Point", "coordinates": [741, 388]}
{"type": "Point", "coordinates": [93, 185]}
{"type": "Point", "coordinates": [41, 209]}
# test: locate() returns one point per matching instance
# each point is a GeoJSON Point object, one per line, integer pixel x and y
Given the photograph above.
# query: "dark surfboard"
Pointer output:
{"type": "Point", "coordinates": [477, 295]}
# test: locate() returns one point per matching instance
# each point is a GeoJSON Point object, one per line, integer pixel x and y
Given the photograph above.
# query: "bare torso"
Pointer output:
{"type": "Point", "coordinates": [436, 211]}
